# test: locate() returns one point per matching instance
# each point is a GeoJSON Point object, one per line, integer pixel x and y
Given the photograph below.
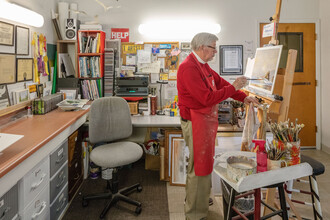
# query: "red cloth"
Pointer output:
{"type": "Point", "coordinates": [193, 92]}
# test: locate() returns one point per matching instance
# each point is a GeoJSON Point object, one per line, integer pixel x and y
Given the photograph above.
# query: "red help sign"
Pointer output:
{"type": "Point", "coordinates": [120, 33]}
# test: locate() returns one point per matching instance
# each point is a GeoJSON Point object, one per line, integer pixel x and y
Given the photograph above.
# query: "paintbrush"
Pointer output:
{"type": "Point", "coordinates": [247, 79]}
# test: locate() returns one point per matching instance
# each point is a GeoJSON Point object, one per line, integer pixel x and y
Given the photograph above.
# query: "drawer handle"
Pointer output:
{"type": "Point", "coordinates": [58, 185]}
{"type": "Point", "coordinates": [59, 208]}
{"type": "Point", "coordinates": [34, 186]}
{"type": "Point", "coordinates": [59, 160]}
{"type": "Point", "coordinates": [2, 217]}
{"type": "Point", "coordinates": [77, 176]}
{"type": "Point", "coordinates": [43, 205]}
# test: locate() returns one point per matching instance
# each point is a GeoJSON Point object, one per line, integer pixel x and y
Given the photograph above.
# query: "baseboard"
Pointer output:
{"type": "Point", "coordinates": [325, 148]}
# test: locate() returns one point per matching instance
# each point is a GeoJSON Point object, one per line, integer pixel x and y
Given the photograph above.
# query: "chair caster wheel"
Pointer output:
{"type": "Point", "coordinates": [138, 210]}
{"type": "Point", "coordinates": [84, 203]}
{"type": "Point", "coordinates": [139, 188]}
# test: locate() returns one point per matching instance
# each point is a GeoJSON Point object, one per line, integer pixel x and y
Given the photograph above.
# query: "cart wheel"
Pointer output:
{"type": "Point", "coordinates": [138, 210]}
{"type": "Point", "coordinates": [84, 203]}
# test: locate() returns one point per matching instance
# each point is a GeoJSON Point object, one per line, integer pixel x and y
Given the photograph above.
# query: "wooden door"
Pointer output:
{"type": "Point", "coordinates": [300, 36]}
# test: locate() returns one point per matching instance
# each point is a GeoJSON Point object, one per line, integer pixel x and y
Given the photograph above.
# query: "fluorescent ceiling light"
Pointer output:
{"type": "Point", "coordinates": [19, 14]}
{"type": "Point", "coordinates": [177, 28]}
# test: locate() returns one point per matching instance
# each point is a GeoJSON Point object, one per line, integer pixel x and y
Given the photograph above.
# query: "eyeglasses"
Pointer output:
{"type": "Point", "coordinates": [214, 48]}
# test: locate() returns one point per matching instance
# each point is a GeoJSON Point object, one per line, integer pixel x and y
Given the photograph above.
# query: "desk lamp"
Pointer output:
{"type": "Point", "coordinates": [161, 112]}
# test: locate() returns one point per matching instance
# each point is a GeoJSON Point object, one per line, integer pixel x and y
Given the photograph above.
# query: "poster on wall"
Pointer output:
{"type": "Point", "coordinates": [120, 33]}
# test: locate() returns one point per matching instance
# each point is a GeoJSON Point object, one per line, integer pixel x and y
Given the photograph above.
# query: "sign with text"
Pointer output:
{"type": "Point", "coordinates": [120, 33]}
{"type": "Point", "coordinates": [268, 30]}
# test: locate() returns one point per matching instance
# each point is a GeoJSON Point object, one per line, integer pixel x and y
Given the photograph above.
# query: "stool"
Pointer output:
{"type": "Point", "coordinates": [230, 195]}
{"type": "Point", "coordinates": [318, 169]}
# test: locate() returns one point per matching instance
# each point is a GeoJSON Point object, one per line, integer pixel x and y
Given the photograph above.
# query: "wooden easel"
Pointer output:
{"type": "Point", "coordinates": [278, 109]}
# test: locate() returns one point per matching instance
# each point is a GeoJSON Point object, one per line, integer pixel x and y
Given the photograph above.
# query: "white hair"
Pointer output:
{"type": "Point", "coordinates": [201, 39]}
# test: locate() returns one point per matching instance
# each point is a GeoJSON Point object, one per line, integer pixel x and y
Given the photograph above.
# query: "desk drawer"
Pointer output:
{"type": "Point", "coordinates": [38, 208]}
{"type": "Point", "coordinates": [33, 182]}
{"type": "Point", "coordinates": [58, 158]}
{"type": "Point", "coordinates": [58, 181]}
{"type": "Point", "coordinates": [59, 204]}
{"type": "Point", "coordinates": [9, 204]}
{"type": "Point", "coordinates": [75, 172]}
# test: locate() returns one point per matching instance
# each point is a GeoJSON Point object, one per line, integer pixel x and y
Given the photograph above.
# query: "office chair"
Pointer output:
{"type": "Point", "coordinates": [109, 123]}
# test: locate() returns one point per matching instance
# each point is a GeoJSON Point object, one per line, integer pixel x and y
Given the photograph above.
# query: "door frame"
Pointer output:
{"type": "Point", "coordinates": [317, 69]}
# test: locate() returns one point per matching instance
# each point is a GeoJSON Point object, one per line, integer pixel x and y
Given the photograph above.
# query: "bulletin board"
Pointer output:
{"type": "Point", "coordinates": [129, 48]}
{"type": "Point", "coordinates": [167, 53]}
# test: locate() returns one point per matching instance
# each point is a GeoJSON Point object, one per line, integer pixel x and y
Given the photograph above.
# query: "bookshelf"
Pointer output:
{"type": "Point", "coordinates": [69, 47]}
{"type": "Point", "coordinates": [91, 63]}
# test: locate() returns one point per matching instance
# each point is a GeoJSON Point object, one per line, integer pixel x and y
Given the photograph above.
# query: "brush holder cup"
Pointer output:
{"type": "Point", "coordinates": [293, 154]}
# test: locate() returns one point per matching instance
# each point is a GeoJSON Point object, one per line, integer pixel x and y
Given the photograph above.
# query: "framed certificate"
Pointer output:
{"type": "Point", "coordinates": [231, 59]}
{"type": "Point", "coordinates": [22, 40]}
{"type": "Point", "coordinates": [24, 68]}
{"type": "Point", "coordinates": [6, 33]}
{"type": "Point", "coordinates": [7, 68]}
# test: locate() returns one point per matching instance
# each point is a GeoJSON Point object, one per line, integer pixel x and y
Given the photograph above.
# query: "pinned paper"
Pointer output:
{"type": "Point", "coordinates": [130, 60]}
{"type": "Point", "coordinates": [144, 56]}
{"type": "Point", "coordinates": [149, 68]}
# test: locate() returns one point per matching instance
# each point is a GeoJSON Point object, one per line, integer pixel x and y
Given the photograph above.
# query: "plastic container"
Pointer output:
{"type": "Point", "coordinates": [261, 155]}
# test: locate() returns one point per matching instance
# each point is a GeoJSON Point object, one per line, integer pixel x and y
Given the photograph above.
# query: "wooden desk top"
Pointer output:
{"type": "Point", "coordinates": [37, 130]}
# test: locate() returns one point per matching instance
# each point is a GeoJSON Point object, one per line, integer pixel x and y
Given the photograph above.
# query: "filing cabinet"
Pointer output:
{"type": "Point", "coordinates": [38, 208]}
{"type": "Point", "coordinates": [33, 192]}
{"type": "Point", "coordinates": [59, 204]}
{"type": "Point", "coordinates": [75, 161]}
{"type": "Point", "coordinates": [58, 192]}
{"type": "Point", "coordinates": [59, 180]}
{"type": "Point", "coordinates": [9, 204]}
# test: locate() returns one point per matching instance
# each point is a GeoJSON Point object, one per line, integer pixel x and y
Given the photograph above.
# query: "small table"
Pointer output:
{"type": "Point", "coordinates": [256, 181]}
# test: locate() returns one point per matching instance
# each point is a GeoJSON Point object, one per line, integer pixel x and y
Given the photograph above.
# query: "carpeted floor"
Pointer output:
{"type": "Point", "coordinates": [153, 197]}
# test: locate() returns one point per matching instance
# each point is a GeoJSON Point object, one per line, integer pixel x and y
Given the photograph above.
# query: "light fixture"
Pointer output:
{"type": "Point", "coordinates": [19, 14]}
{"type": "Point", "coordinates": [178, 28]}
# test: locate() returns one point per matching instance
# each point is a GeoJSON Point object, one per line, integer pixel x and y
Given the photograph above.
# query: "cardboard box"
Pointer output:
{"type": "Point", "coordinates": [152, 162]}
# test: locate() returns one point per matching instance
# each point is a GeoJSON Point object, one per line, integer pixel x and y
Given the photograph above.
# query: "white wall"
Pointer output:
{"type": "Point", "coordinates": [238, 18]}
{"type": "Point", "coordinates": [42, 7]}
{"type": "Point", "coordinates": [325, 75]}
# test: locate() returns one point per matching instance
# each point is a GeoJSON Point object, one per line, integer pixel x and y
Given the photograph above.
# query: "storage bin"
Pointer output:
{"type": "Point", "coordinates": [133, 107]}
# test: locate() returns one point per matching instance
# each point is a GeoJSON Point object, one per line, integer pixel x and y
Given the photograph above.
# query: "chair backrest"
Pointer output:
{"type": "Point", "coordinates": [109, 120]}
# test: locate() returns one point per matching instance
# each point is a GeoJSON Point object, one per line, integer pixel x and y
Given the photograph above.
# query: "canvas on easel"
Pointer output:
{"type": "Point", "coordinates": [265, 68]}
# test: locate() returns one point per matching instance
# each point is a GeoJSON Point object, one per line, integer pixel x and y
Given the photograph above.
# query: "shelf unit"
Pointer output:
{"type": "Point", "coordinates": [91, 63]}
{"type": "Point", "coordinates": [70, 47]}
{"type": "Point", "coordinates": [111, 65]}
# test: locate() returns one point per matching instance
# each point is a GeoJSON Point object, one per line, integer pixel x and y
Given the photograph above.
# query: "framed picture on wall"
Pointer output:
{"type": "Point", "coordinates": [22, 40]}
{"type": "Point", "coordinates": [179, 160]}
{"type": "Point", "coordinates": [231, 59]}
{"type": "Point", "coordinates": [24, 68]}
{"type": "Point", "coordinates": [6, 33]}
{"type": "Point", "coordinates": [7, 68]}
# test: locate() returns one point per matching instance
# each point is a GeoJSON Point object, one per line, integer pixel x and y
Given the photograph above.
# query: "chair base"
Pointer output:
{"type": "Point", "coordinates": [114, 197]}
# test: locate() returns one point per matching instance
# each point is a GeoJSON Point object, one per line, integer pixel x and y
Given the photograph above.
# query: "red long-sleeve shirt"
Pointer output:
{"type": "Point", "coordinates": [193, 91]}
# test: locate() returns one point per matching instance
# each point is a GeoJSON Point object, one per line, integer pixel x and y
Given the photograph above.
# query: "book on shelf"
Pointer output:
{"type": "Point", "coordinates": [66, 65]}
{"type": "Point", "coordinates": [91, 89]}
{"type": "Point", "coordinates": [89, 67]}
